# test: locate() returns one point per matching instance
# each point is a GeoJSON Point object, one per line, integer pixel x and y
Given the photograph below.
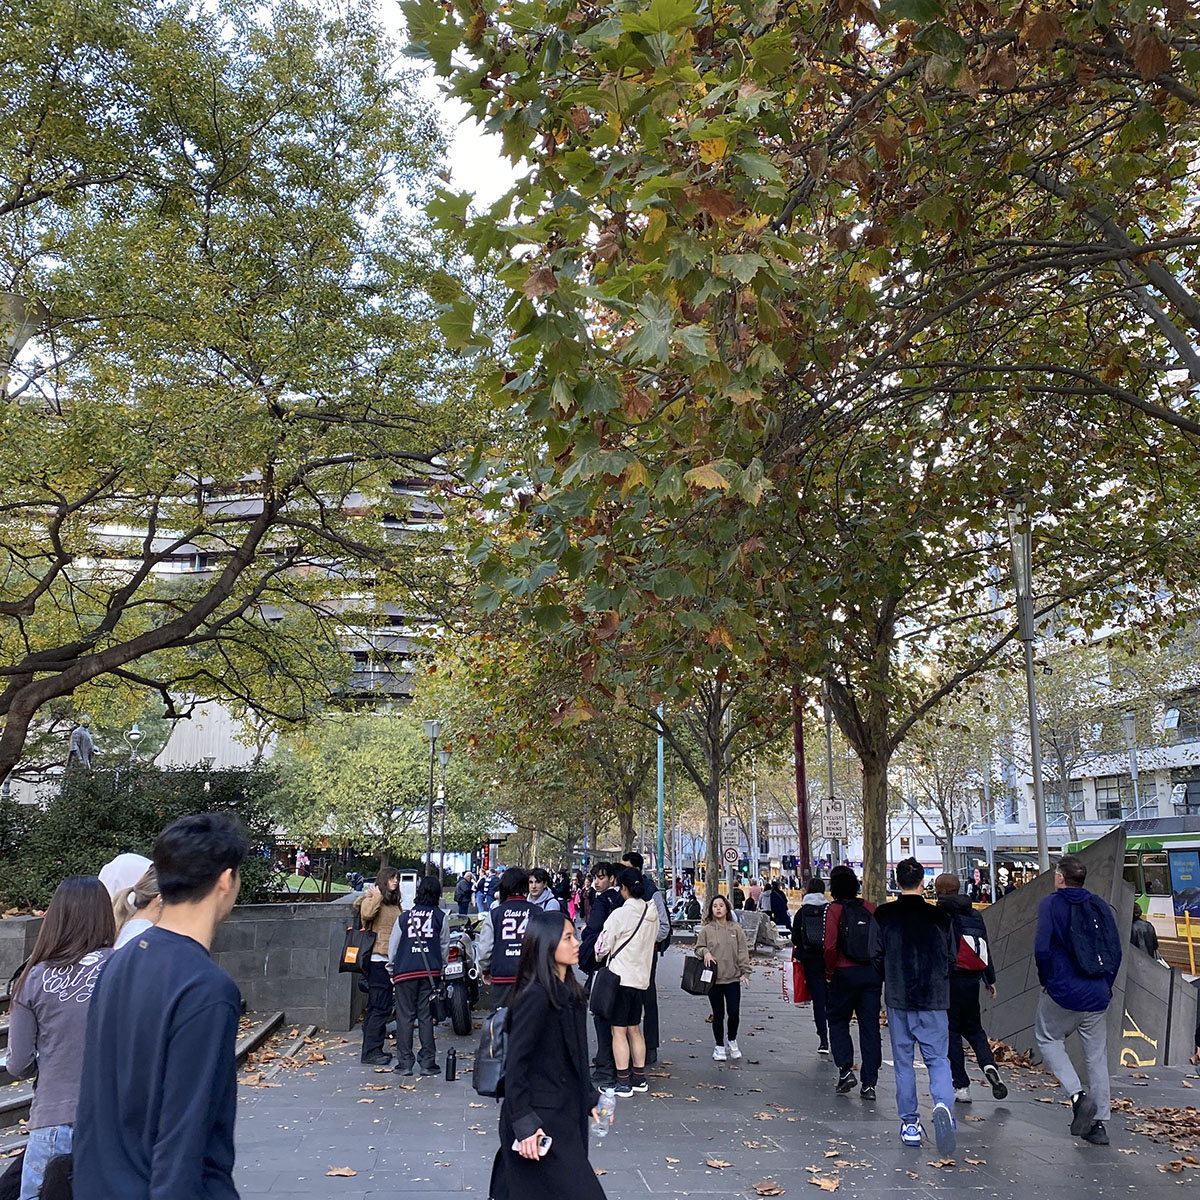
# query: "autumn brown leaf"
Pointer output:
{"type": "Point", "coordinates": [1042, 31]}
{"type": "Point", "coordinates": [1149, 52]}
{"type": "Point", "coordinates": [541, 282]}
{"type": "Point", "coordinates": [999, 68]}
{"type": "Point", "coordinates": [827, 1183]}
{"type": "Point", "coordinates": [718, 1164]}
{"type": "Point", "coordinates": [719, 205]}
{"type": "Point", "coordinates": [769, 1187]}
{"type": "Point", "coordinates": [345, 1172]}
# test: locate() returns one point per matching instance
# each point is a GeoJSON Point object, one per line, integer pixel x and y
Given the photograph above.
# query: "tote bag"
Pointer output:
{"type": "Point", "coordinates": [356, 950]}
{"type": "Point", "coordinates": [697, 978]}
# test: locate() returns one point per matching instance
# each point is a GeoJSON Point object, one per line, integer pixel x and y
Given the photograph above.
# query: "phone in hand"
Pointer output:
{"type": "Point", "coordinates": [543, 1145]}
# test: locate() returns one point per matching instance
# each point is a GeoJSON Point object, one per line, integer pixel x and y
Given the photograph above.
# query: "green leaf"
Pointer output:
{"type": "Point", "coordinates": [773, 51]}
{"type": "Point", "coordinates": [920, 11]}
{"type": "Point", "coordinates": [661, 16]}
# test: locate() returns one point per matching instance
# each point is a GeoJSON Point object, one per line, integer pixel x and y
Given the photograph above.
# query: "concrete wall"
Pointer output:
{"type": "Point", "coordinates": [282, 957]}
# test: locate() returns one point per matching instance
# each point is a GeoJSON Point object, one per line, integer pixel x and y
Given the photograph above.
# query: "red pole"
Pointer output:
{"type": "Point", "coordinates": [805, 854]}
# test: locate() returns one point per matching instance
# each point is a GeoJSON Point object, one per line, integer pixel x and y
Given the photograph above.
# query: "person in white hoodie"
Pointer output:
{"type": "Point", "coordinates": [808, 949]}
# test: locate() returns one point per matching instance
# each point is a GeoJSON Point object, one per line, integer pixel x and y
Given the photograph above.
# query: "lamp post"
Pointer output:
{"type": "Point", "coordinates": [432, 731]}
{"type": "Point", "coordinates": [1129, 724]}
{"type": "Point", "coordinates": [1021, 541]}
{"type": "Point", "coordinates": [133, 737]}
{"type": "Point", "coordinates": [444, 759]}
{"type": "Point", "coordinates": [20, 319]}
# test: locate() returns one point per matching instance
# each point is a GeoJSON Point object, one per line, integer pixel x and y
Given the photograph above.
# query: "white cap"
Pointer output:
{"type": "Point", "coordinates": [123, 872]}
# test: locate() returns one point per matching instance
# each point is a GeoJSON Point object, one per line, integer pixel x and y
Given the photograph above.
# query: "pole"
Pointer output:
{"type": "Point", "coordinates": [662, 875]}
{"type": "Point", "coordinates": [835, 850]}
{"type": "Point", "coordinates": [429, 820]}
{"type": "Point", "coordinates": [991, 834]}
{"type": "Point", "coordinates": [804, 852]}
{"type": "Point", "coordinates": [1035, 754]}
{"type": "Point", "coordinates": [728, 808]}
{"type": "Point", "coordinates": [754, 854]}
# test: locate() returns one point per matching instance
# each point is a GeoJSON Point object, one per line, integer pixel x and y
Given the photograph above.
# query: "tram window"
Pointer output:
{"type": "Point", "coordinates": [1156, 874]}
{"type": "Point", "coordinates": [1132, 874]}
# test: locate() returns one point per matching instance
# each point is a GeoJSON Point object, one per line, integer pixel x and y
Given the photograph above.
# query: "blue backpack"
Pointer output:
{"type": "Point", "coordinates": [1092, 939]}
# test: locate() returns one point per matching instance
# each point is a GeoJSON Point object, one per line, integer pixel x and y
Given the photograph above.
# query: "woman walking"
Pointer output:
{"type": "Point", "coordinates": [721, 941]}
{"type": "Point", "coordinates": [49, 1016]}
{"type": "Point", "coordinates": [627, 942]}
{"type": "Point", "coordinates": [548, 1091]}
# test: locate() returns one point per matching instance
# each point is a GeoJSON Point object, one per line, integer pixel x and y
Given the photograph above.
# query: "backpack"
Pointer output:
{"type": "Point", "coordinates": [812, 927]}
{"type": "Point", "coordinates": [973, 953]}
{"type": "Point", "coordinates": [858, 932]}
{"type": "Point", "coordinates": [1091, 940]}
{"type": "Point", "coordinates": [487, 1075]}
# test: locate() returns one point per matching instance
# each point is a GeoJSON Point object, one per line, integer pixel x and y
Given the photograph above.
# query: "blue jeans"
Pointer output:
{"type": "Point", "coordinates": [929, 1030]}
{"type": "Point", "coordinates": [41, 1146]}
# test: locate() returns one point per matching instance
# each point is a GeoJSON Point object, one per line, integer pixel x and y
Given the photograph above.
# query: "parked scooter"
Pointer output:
{"type": "Point", "coordinates": [461, 973]}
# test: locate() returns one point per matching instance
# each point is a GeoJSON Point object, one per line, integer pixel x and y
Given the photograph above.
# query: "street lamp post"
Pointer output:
{"type": "Point", "coordinates": [1021, 541]}
{"type": "Point", "coordinates": [433, 730]}
{"type": "Point", "coordinates": [1129, 724]}
{"type": "Point", "coordinates": [133, 737]}
{"type": "Point", "coordinates": [444, 759]}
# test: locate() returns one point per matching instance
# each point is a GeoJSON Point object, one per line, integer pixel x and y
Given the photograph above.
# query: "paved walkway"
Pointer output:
{"type": "Point", "coordinates": [774, 1119]}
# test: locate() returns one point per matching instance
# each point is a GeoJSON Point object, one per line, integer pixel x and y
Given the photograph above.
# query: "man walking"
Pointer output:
{"type": "Point", "coordinates": [1078, 954]}
{"type": "Point", "coordinates": [972, 966]}
{"type": "Point", "coordinates": [158, 1093]}
{"type": "Point", "coordinates": [650, 1003]}
{"type": "Point", "coordinates": [608, 898]}
{"type": "Point", "coordinates": [915, 944]}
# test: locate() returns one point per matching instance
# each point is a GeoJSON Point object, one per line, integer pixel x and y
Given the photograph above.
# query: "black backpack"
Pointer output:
{"type": "Point", "coordinates": [1091, 939]}
{"type": "Point", "coordinates": [858, 932]}
{"type": "Point", "coordinates": [487, 1075]}
{"type": "Point", "coordinates": [812, 927]}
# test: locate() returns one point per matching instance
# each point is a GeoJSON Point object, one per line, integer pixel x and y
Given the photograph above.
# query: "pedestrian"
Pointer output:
{"type": "Point", "coordinates": [464, 889]}
{"type": "Point", "coordinates": [853, 981]}
{"type": "Point", "coordinates": [158, 1092]}
{"type": "Point", "coordinates": [378, 910]}
{"type": "Point", "coordinates": [972, 966]}
{"type": "Point", "coordinates": [606, 900]}
{"type": "Point", "coordinates": [754, 892]}
{"type": "Point", "coordinates": [739, 897]}
{"type": "Point", "coordinates": [540, 892]}
{"type": "Point", "coordinates": [692, 910]}
{"type": "Point", "coordinates": [48, 1022]}
{"type": "Point", "coordinates": [974, 889]}
{"type": "Point", "coordinates": [626, 944]}
{"type": "Point", "coordinates": [721, 941]}
{"type": "Point", "coordinates": [1143, 935]}
{"type": "Point", "coordinates": [416, 951]}
{"type": "Point", "coordinates": [138, 909]}
{"type": "Point", "coordinates": [808, 949]}
{"type": "Point", "coordinates": [547, 1091]}
{"type": "Point", "coordinates": [916, 948]}
{"type": "Point", "coordinates": [655, 896]}
{"type": "Point", "coordinates": [1078, 954]}
{"type": "Point", "coordinates": [501, 933]}
{"type": "Point", "coordinates": [777, 902]}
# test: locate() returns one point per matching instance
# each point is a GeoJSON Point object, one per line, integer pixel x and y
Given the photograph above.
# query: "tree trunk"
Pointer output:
{"type": "Point", "coordinates": [712, 836]}
{"type": "Point", "coordinates": [875, 793]}
{"type": "Point", "coordinates": [385, 859]}
{"type": "Point", "coordinates": [625, 823]}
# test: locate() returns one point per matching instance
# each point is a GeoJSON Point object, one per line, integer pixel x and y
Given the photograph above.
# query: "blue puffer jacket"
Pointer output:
{"type": "Point", "coordinates": [1056, 968]}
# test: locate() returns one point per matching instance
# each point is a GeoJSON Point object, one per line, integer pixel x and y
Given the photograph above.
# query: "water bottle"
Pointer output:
{"type": "Point", "coordinates": [606, 1108]}
{"type": "Point", "coordinates": [451, 1064]}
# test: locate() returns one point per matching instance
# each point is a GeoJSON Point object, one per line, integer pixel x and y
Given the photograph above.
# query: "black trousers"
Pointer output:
{"type": "Point", "coordinates": [726, 998]}
{"type": "Point", "coordinates": [856, 991]}
{"type": "Point", "coordinates": [813, 966]}
{"type": "Point", "coordinates": [650, 1012]}
{"type": "Point", "coordinates": [412, 1000]}
{"type": "Point", "coordinates": [381, 1000]}
{"type": "Point", "coordinates": [965, 1022]}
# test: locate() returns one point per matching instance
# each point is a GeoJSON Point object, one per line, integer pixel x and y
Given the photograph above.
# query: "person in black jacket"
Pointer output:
{"type": "Point", "coordinates": [547, 1092]}
{"type": "Point", "coordinates": [1143, 935]}
{"type": "Point", "coordinates": [501, 933]}
{"type": "Point", "coordinates": [973, 965]}
{"type": "Point", "coordinates": [608, 897]}
{"type": "Point", "coordinates": [416, 952]}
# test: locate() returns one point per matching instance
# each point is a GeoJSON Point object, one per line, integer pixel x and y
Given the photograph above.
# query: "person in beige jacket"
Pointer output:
{"type": "Point", "coordinates": [626, 944]}
{"type": "Point", "coordinates": [721, 942]}
{"type": "Point", "coordinates": [378, 909]}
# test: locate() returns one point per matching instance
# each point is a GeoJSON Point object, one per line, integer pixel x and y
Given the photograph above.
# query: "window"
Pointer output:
{"type": "Point", "coordinates": [1182, 718]}
{"type": "Point", "coordinates": [1131, 874]}
{"type": "Point", "coordinates": [1056, 812]}
{"type": "Point", "coordinates": [1156, 873]}
{"type": "Point", "coordinates": [1114, 797]}
{"type": "Point", "coordinates": [1185, 793]}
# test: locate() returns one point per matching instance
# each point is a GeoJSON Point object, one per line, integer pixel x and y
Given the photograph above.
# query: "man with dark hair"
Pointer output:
{"type": "Point", "coordinates": [540, 891]}
{"type": "Point", "coordinates": [1078, 954]}
{"type": "Point", "coordinates": [502, 931]}
{"type": "Point", "coordinates": [158, 1093]}
{"type": "Point", "coordinates": [608, 897]}
{"type": "Point", "coordinates": [653, 894]}
{"type": "Point", "coordinates": [1143, 935]}
{"type": "Point", "coordinates": [915, 946]}
{"type": "Point", "coordinates": [854, 983]}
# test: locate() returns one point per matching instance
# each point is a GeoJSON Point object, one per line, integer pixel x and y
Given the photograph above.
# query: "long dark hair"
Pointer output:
{"type": "Point", "coordinates": [542, 935]}
{"type": "Point", "coordinates": [78, 921]}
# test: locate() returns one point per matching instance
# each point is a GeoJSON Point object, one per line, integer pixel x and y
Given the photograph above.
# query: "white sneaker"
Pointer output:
{"type": "Point", "coordinates": [718, 1054]}
{"type": "Point", "coordinates": [962, 1095]}
{"type": "Point", "coordinates": [732, 1046]}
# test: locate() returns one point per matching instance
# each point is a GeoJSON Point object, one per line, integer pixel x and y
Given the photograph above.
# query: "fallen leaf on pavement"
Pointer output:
{"type": "Point", "coordinates": [832, 1153]}
{"type": "Point", "coordinates": [912, 1174]}
{"type": "Point", "coordinates": [1129, 1151]}
{"type": "Point", "coordinates": [976, 1162]}
{"type": "Point", "coordinates": [346, 1172]}
{"type": "Point", "coordinates": [672, 1160]}
{"type": "Point", "coordinates": [661, 1095]}
{"type": "Point", "coordinates": [717, 1163]}
{"type": "Point", "coordinates": [752, 1145]}
{"type": "Point", "coordinates": [827, 1183]}
{"type": "Point", "coordinates": [941, 1162]}
{"type": "Point", "coordinates": [769, 1187]}
{"type": "Point", "coordinates": [600, 1170]}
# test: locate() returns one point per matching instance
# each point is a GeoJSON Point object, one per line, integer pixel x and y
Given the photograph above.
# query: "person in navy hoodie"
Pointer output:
{"type": "Point", "coordinates": [416, 951]}
{"type": "Point", "coordinates": [1073, 1001]}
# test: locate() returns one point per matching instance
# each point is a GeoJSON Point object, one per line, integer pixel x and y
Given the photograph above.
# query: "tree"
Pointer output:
{"type": "Point", "coordinates": [240, 376]}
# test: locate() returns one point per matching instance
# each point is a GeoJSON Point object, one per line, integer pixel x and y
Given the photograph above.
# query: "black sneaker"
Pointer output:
{"type": "Point", "coordinates": [1097, 1135]}
{"type": "Point", "coordinates": [402, 1070]}
{"type": "Point", "coordinates": [623, 1088]}
{"type": "Point", "coordinates": [432, 1069]}
{"type": "Point", "coordinates": [376, 1058]}
{"type": "Point", "coordinates": [639, 1084]}
{"type": "Point", "coordinates": [603, 1083]}
{"type": "Point", "coordinates": [1084, 1109]}
{"type": "Point", "coordinates": [823, 1048]}
{"type": "Point", "coordinates": [867, 1092]}
{"type": "Point", "coordinates": [846, 1082]}
{"type": "Point", "coordinates": [999, 1087]}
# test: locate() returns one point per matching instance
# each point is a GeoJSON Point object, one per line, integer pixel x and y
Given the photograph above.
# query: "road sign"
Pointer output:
{"type": "Point", "coordinates": [730, 855]}
{"type": "Point", "coordinates": [833, 819]}
{"type": "Point", "coordinates": [730, 835]}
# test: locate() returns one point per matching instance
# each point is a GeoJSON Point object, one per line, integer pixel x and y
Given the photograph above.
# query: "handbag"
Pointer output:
{"type": "Point", "coordinates": [697, 978]}
{"type": "Point", "coordinates": [605, 982]}
{"type": "Point", "coordinates": [356, 950]}
{"type": "Point", "coordinates": [800, 992]}
{"type": "Point", "coordinates": [439, 1001]}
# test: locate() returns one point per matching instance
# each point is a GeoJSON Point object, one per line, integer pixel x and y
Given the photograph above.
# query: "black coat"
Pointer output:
{"type": "Point", "coordinates": [917, 950]}
{"type": "Point", "coordinates": [965, 919]}
{"type": "Point", "coordinates": [547, 1086]}
{"type": "Point", "coordinates": [603, 905]}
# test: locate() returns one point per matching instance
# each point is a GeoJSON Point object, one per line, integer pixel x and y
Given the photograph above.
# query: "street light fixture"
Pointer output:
{"type": "Point", "coordinates": [433, 730]}
{"type": "Point", "coordinates": [133, 737]}
{"type": "Point", "coordinates": [1021, 540]}
{"type": "Point", "coordinates": [444, 759]}
{"type": "Point", "coordinates": [1129, 724]}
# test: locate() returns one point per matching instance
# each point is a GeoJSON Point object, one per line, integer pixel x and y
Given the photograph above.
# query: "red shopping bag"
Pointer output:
{"type": "Point", "coordinates": [799, 985]}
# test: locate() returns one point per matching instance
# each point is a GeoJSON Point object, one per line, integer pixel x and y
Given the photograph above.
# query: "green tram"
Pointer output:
{"type": "Point", "coordinates": [1162, 862]}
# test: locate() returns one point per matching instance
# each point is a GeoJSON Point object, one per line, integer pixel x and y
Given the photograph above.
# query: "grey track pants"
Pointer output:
{"type": "Point", "coordinates": [1052, 1026]}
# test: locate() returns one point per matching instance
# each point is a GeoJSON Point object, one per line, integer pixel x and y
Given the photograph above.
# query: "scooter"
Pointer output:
{"type": "Point", "coordinates": [461, 975]}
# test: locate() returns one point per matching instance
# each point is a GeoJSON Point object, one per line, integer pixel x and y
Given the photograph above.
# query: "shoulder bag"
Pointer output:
{"type": "Point", "coordinates": [357, 949]}
{"type": "Point", "coordinates": [605, 982]}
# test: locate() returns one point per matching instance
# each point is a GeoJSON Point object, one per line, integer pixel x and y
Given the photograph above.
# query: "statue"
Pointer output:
{"type": "Point", "coordinates": [82, 747]}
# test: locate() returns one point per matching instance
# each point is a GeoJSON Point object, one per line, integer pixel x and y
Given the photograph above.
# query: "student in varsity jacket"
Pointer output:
{"type": "Point", "coordinates": [416, 951]}
{"type": "Point", "coordinates": [500, 936]}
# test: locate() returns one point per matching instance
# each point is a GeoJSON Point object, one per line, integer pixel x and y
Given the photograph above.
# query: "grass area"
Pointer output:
{"type": "Point", "coordinates": [299, 883]}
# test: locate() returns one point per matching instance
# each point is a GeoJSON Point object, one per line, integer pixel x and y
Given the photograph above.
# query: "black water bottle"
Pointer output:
{"type": "Point", "coordinates": [451, 1064]}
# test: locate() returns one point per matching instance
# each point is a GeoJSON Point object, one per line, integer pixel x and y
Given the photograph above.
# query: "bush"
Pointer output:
{"type": "Point", "coordinates": [99, 814]}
